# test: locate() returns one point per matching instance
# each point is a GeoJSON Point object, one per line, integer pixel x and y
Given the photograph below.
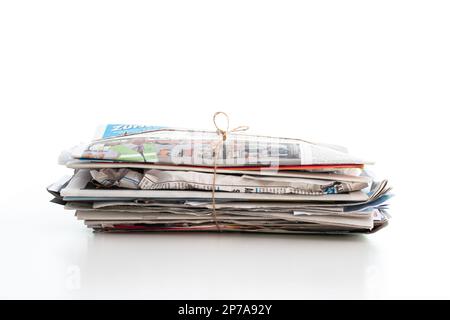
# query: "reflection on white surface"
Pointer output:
{"type": "Point", "coordinates": [225, 266]}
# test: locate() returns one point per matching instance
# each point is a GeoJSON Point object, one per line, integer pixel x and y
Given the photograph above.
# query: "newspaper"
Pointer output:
{"type": "Point", "coordinates": [160, 179]}
{"type": "Point", "coordinates": [165, 145]}
{"type": "Point", "coordinates": [78, 189]}
{"type": "Point", "coordinates": [337, 174]}
{"type": "Point", "coordinates": [190, 180]}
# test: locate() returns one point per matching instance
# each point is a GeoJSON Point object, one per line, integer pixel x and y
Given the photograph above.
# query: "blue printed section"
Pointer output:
{"type": "Point", "coordinates": [371, 204]}
{"type": "Point", "coordinates": [117, 130]}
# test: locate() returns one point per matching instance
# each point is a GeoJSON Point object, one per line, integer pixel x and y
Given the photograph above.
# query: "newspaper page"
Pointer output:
{"type": "Point", "coordinates": [195, 147]}
{"type": "Point", "coordinates": [190, 180]}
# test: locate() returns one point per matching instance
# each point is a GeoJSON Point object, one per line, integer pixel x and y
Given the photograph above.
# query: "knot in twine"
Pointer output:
{"type": "Point", "coordinates": [223, 134]}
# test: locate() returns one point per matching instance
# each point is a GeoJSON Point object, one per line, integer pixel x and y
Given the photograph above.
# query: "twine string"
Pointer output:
{"type": "Point", "coordinates": [223, 134]}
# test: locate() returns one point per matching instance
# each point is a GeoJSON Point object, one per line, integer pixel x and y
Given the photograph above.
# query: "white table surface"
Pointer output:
{"type": "Point", "coordinates": [370, 76]}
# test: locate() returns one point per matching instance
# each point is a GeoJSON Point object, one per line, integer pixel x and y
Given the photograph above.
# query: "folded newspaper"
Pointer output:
{"type": "Point", "coordinates": [147, 178]}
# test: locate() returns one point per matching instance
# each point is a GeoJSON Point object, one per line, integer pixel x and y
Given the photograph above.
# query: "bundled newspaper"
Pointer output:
{"type": "Point", "coordinates": [148, 178]}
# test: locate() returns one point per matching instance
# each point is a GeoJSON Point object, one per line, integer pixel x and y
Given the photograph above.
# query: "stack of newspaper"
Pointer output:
{"type": "Point", "coordinates": [147, 178]}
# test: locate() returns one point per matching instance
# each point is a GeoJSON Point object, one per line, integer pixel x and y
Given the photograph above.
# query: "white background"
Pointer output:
{"type": "Point", "coordinates": [371, 75]}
